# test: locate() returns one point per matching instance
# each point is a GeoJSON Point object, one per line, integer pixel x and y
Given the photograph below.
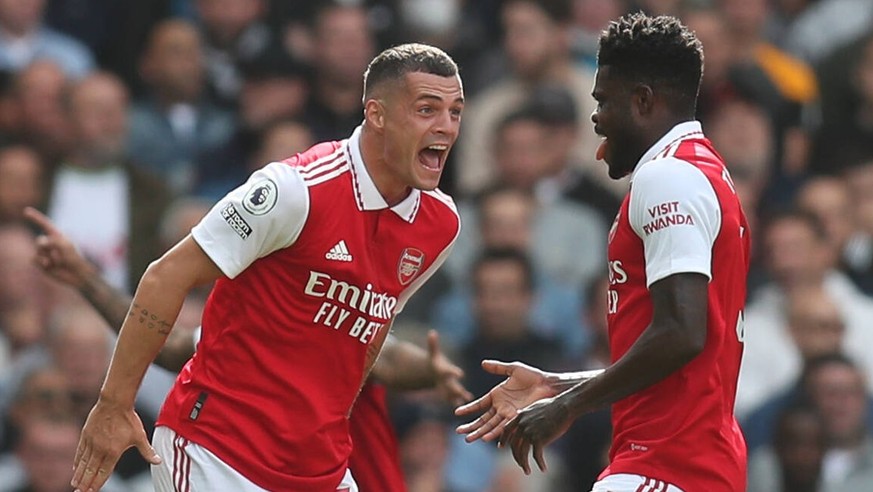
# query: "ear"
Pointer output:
{"type": "Point", "coordinates": [374, 114]}
{"type": "Point", "coordinates": [643, 100]}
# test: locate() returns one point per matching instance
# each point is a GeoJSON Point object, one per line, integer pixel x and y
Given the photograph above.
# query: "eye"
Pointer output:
{"type": "Point", "coordinates": [456, 112]}
{"type": "Point", "coordinates": [425, 110]}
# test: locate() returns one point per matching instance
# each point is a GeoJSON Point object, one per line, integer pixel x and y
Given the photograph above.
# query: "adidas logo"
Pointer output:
{"type": "Point", "coordinates": [339, 252]}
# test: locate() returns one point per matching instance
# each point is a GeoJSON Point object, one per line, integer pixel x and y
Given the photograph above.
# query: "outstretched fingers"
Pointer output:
{"type": "Point", "coordinates": [481, 404]}
{"type": "Point", "coordinates": [486, 427]}
{"type": "Point", "coordinates": [539, 457]}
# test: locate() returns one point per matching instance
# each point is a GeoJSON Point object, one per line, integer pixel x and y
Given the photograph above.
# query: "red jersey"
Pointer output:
{"type": "Point", "coordinates": [681, 215]}
{"type": "Point", "coordinates": [375, 460]}
{"type": "Point", "coordinates": [316, 267]}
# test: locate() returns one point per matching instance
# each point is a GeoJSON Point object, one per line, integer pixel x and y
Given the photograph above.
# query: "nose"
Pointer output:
{"type": "Point", "coordinates": [447, 124]}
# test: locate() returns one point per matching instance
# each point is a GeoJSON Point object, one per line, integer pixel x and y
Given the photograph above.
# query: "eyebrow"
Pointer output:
{"type": "Point", "coordinates": [439, 99]}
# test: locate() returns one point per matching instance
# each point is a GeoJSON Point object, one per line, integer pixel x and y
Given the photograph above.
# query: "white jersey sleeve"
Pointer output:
{"type": "Point", "coordinates": [263, 215]}
{"type": "Point", "coordinates": [675, 211]}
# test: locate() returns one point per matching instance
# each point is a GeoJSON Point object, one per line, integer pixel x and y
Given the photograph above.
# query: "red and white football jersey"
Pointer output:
{"type": "Point", "coordinates": [681, 215]}
{"type": "Point", "coordinates": [316, 266]}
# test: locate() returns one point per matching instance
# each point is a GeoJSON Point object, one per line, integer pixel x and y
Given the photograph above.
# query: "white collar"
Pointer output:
{"type": "Point", "coordinates": [682, 131]}
{"type": "Point", "coordinates": [367, 195]}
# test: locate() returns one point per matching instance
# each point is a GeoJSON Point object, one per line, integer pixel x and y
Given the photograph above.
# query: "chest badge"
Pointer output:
{"type": "Point", "coordinates": [409, 266]}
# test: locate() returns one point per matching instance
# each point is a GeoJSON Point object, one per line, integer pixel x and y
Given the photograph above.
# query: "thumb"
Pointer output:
{"type": "Point", "coordinates": [497, 367]}
{"type": "Point", "coordinates": [148, 452]}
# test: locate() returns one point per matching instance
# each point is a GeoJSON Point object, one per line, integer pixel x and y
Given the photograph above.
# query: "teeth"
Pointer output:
{"type": "Point", "coordinates": [438, 147]}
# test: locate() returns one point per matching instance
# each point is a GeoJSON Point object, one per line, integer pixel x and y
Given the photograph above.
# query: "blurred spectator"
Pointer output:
{"type": "Point", "coordinates": [798, 255]}
{"type": "Point", "coordinates": [24, 38]}
{"type": "Point", "coordinates": [817, 329]}
{"type": "Point", "coordinates": [274, 90]}
{"type": "Point", "coordinates": [114, 31]}
{"type": "Point", "coordinates": [537, 45]}
{"type": "Point", "coordinates": [98, 198]}
{"type": "Point", "coordinates": [716, 87]}
{"type": "Point", "coordinates": [568, 239]}
{"type": "Point", "coordinates": [180, 217]}
{"type": "Point", "coordinates": [506, 217]}
{"type": "Point", "coordinates": [503, 292]}
{"type": "Point", "coordinates": [234, 32]}
{"type": "Point", "coordinates": [859, 251]}
{"type": "Point", "coordinates": [837, 390]}
{"type": "Point", "coordinates": [43, 393]}
{"type": "Point", "coordinates": [175, 126]}
{"type": "Point", "coordinates": [792, 462]}
{"type": "Point", "coordinates": [42, 458]}
{"type": "Point", "coordinates": [281, 141]}
{"type": "Point", "coordinates": [38, 96]}
{"type": "Point", "coordinates": [743, 133]}
{"type": "Point", "coordinates": [560, 174]}
{"type": "Point", "coordinates": [21, 305]}
{"type": "Point", "coordinates": [785, 86]}
{"type": "Point", "coordinates": [590, 17]}
{"type": "Point", "coordinates": [423, 449]}
{"type": "Point", "coordinates": [343, 44]}
{"type": "Point", "coordinates": [830, 200]}
{"type": "Point", "coordinates": [21, 181]}
{"type": "Point", "coordinates": [821, 26]}
{"type": "Point", "coordinates": [846, 78]}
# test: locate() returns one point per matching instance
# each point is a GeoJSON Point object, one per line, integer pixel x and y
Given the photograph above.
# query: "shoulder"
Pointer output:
{"type": "Point", "coordinates": [441, 201]}
{"type": "Point", "coordinates": [668, 174]}
{"type": "Point", "coordinates": [320, 163]}
{"type": "Point", "coordinates": [444, 206]}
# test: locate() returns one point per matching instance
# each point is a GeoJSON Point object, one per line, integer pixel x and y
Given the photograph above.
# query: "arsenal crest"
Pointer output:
{"type": "Point", "coordinates": [411, 261]}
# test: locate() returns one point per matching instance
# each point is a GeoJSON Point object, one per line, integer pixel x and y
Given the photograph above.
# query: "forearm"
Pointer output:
{"type": "Point", "coordinates": [404, 366]}
{"type": "Point", "coordinates": [144, 331]}
{"type": "Point", "coordinates": [108, 301]}
{"type": "Point", "coordinates": [562, 381]}
{"type": "Point", "coordinates": [656, 354]}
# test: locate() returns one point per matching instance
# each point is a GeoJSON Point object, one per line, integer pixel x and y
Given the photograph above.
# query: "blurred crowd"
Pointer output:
{"type": "Point", "coordinates": [125, 120]}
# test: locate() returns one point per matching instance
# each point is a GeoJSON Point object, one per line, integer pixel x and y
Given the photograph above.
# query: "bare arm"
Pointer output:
{"type": "Point", "coordinates": [405, 366]}
{"type": "Point", "coordinates": [155, 306]}
{"type": "Point", "coordinates": [676, 335]}
{"type": "Point", "coordinates": [58, 257]}
{"type": "Point", "coordinates": [112, 425]}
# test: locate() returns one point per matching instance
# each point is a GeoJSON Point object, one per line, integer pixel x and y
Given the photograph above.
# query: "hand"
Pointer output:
{"type": "Point", "coordinates": [108, 432]}
{"type": "Point", "coordinates": [446, 374]}
{"type": "Point", "coordinates": [56, 255]}
{"type": "Point", "coordinates": [524, 385]}
{"type": "Point", "coordinates": [535, 426]}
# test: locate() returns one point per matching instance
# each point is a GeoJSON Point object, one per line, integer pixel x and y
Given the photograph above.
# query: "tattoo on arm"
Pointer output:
{"type": "Point", "coordinates": [145, 317]}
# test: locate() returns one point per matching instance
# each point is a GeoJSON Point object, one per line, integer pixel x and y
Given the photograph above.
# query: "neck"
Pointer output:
{"type": "Point", "coordinates": [166, 99]}
{"type": "Point", "coordinates": [89, 160]}
{"type": "Point", "coordinates": [392, 190]}
{"type": "Point", "coordinates": [850, 442]}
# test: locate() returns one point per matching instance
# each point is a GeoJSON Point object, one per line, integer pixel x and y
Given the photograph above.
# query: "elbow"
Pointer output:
{"type": "Point", "coordinates": [690, 345]}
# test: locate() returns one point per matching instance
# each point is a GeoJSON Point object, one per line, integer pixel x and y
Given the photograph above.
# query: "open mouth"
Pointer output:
{"type": "Point", "coordinates": [600, 154]}
{"type": "Point", "coordinates": [431, 157]}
